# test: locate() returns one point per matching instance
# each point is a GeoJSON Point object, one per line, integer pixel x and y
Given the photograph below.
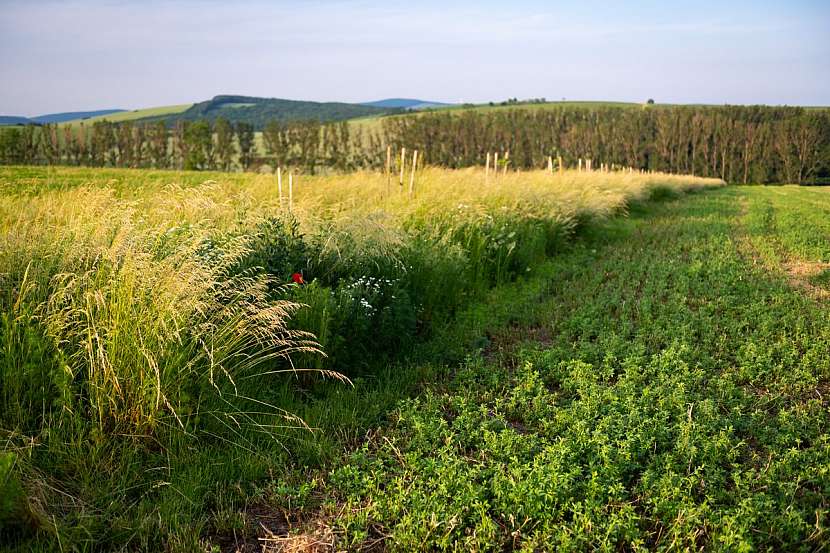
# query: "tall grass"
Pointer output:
{"type": "Point", "coordinates": [118, 295]}
{"type": "Point", "coordinates": [118, 319]}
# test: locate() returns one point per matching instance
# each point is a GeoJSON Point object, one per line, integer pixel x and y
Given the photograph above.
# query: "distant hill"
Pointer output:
{"type": "Point", "coordinates": [72, 115]}
{"type": "Point", "coordinates": [405, 103]}
{"type": "Point", "coordinates": [55, 117]}
{"type": "Point", "coordinates": [135, 115]}
{"type": "Point", "coordinates": [14, 120]}
{"type": "Point", "coordinates": [258, 111]}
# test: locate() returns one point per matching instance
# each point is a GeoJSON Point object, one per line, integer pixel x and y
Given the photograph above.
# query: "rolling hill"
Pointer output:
{"type": "Point", "coordinates": [258, 111]}
{"type": "Point", "coordinates": [136, 114]}
{"type": "Point", "coordinates": [14, 120]}
{"type": "Point", "coordinates": [254, 110]}
{"type": "Point", "coordinates": [56, 117]}
{"type": "Point", "coordinates": [73, 116]}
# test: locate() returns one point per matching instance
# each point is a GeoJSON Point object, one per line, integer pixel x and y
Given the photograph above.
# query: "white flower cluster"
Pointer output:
{"type": "Point", "coordinates": [370, 283]}
{"type": "Point", "coordinates": [372, 286]}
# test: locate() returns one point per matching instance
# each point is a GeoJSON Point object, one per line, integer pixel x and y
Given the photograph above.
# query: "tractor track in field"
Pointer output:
{"type": "Point", "coordinates": [799, 273]}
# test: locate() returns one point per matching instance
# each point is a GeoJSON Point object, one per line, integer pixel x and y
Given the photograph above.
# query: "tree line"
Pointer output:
{"type": "Point", "coordinates": [198, 145]}
{"type": "Point", "coordinates": [741, 144]}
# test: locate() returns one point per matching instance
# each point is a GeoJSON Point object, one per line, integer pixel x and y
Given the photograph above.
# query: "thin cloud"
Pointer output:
{"type": "Point", "coordinates": [109, 53]}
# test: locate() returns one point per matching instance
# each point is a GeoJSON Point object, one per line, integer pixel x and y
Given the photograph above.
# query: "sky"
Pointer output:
{"type": "Point", "coordinates": [72, 55]}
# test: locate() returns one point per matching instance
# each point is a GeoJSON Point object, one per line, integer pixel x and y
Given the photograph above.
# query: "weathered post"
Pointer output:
{"type": "Point", "coordinates": [279, 183]}
{"type": "Point", "coordinates": [291, 190]}
{"type": "Point", "coordinates": [388, 169]}
{"type": "Point", "coordinates": [403, 165]}
{"type": "Point", "coordinates": [412, 175]}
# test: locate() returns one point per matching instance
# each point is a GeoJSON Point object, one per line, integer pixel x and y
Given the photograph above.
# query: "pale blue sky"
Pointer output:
{"type": "Point", "coordinates": [96, 54]}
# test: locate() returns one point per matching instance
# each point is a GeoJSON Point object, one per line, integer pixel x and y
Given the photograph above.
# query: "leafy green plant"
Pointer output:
{"type": "Point", "coordinates": [667, 393]}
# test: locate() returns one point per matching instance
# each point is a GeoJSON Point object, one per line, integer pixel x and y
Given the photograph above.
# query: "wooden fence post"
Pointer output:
{"type": "Point", "coordinates": [561, 167]}
{"type": "Point", "coordinates": [388, 169]}
{"type": "Point", "coordinates": [291, 190]}
{"type": "Point", "coordinates": [403, 165]}
{"type": "Point", "coordinates": [550, 164]}
{"type": "Point", "coordinates": [279, 183]}
{"type": "Point", "coordinates": [487, 168]}
{"type": "Point", "coordinates": [412, 176]}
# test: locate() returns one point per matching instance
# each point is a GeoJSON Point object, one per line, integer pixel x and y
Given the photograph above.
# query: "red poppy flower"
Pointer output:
{"type": "Point", "coordinates": [297, 278]}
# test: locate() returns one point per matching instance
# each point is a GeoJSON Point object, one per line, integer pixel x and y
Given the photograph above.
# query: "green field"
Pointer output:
{"type": "Point", "coordinates": [133, 115]}
{"type": "Point", "coordinates": [664, 385]}
{"type": "Point", "coordinates": [535, 362]}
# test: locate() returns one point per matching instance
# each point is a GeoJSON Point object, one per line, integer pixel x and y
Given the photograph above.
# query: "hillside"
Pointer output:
{"type": "Point", "coordinates": [14, 120]}
{"type": "Point", "coordinates": [56, 117]}
{"type": "Point", "coordinates": [73, 115]}
{"type": "Point", "coordinates": [258, 111]}
{"type": "Point", "coordinates": [135, 115]}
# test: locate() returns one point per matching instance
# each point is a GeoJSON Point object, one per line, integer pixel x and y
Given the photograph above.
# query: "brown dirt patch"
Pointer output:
{"type": "Point", "coordinates": [504, 344]}
{"type": "Point", "coordinates": [273, 530]}
{"type": "Point", "coordinates": [316, 536]}
{"type": "Point", "coordinates": [800, 273]}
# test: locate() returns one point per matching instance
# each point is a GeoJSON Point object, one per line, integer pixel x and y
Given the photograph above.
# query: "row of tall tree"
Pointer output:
{"type": "Point", "coordinates": [198, 145]}
{"type": "Point", "coordinates": [740, 144]}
